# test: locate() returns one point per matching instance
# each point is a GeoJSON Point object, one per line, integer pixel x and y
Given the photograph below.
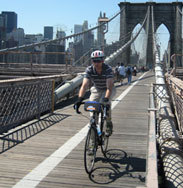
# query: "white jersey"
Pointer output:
{"type": "Point", "coordinates": [121, 70]}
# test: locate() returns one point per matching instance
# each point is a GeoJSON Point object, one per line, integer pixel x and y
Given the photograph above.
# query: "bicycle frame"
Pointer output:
{"type": "Point", "coordinates": [96, 115]}
{"type": "Point", "coordinates": [93, 139]}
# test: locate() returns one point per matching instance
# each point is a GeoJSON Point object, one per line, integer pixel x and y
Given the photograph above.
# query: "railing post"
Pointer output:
{"type": "Point", "coordinates": [53, 96]}
{"type": "Point", "coordinates": [31, 59]}
{"type": "Point", "coordinates": [38, 100]}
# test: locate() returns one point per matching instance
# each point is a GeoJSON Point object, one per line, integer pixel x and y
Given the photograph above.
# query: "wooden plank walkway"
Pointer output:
{"type": "Point", "coordinates": [33, 162]}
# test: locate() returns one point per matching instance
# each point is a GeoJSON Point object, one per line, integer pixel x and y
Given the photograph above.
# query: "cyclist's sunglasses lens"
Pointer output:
{"type": "Point", "coordinates": [97, 61]}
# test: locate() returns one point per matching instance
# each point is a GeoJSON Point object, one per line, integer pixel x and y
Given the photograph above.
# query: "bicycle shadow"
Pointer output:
{"type": "Point", "coordinates": [119, 165]}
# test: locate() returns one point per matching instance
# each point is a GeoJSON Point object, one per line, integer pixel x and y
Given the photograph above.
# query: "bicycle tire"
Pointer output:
{"type": "Point", "coordinates": [90, 146]}
{"type": "Point", "coordinates": [105, 140]}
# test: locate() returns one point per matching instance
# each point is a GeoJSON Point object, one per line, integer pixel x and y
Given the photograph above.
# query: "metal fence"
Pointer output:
{"type": "Point", "coordinates": [175, 87]}
{"type": "Point", "coordinates": [21, 101]}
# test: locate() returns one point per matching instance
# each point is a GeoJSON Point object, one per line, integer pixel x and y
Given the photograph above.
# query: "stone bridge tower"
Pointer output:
{"type": "Point", "coordinates": [164, 13]}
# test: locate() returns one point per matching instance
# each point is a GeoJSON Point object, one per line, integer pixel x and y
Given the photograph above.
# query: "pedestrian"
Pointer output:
{"type": "Point", "coordinates": [116, 72]}
{"type": "Point", "coordinates": [134, 71]}
{"type": "Point", "coordinates": [122, 73]}
{"type": "Point", "coordinates": [129, 74]}
{"type": "Point", "coordinates": [102, 77]}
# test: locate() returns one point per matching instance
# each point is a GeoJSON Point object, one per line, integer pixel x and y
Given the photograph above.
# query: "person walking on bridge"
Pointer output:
{"type": "Point", "coordinates": [122, 73]}
{"type": "Point", "coordinates": [101, 76]}
{"type": "Point", "coordinates": [129, 74]}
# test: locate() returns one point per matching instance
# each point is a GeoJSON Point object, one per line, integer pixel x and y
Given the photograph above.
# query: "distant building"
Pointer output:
{"type": "Point", "coordinates": [85, 25]}
{"type": "Point", "coordinates": [48, 32]}
{"type": "Point", "coordinates": [2, 31]}
{"type": "Point", "coordinates": [39, 37]}
{"type": "Point", "coordinates": [86, 45]}
{"type": "Point", "coordinates": [82, 43]}
{"type": "Point", "coordinates": [61, 34]}
{"type": "Point", "coordinates": [31, 38]}
{"type": "Point", "coordinates": [10, 21]}
{"type": "Point", "coordinates": [71, 46]}
{"type": "Point", "coordinates": [101, 30]}
{"type": "Point", "coordinates": [78, 29]}
{"type": "Point", "coordinates": [17, 35]}
{"type": "Point", "coordinates": [11, 43]}
{"type": "Point", "coordinates": [55, 58]}
{"type": "Point", "coordinates": [78, 50]}
{"type": "Point", "coordinates": [88, 38]}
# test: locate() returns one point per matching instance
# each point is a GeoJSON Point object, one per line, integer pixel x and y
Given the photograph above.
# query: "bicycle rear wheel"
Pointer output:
{"type": "Point", "coordinates": [105, 139]}
{"type": "Point", "coordinates": [90, 150]}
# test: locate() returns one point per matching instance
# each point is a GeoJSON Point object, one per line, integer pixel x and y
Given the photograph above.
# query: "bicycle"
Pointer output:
{"type": "Point", "coordinates": [96, 135]}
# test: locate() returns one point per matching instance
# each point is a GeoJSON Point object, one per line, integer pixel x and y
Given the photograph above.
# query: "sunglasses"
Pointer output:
{"type": "Point", "coordinates": [97, 61]}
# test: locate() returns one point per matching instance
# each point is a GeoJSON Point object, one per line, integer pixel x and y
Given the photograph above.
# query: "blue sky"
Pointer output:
{"type": "Point", "coordinates": [33, 15]}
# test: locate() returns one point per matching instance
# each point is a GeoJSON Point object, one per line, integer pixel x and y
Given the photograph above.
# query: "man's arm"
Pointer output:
{"type": "Point", "coordinates": [84, 87]}
{"type": "Point", "coordinates": [110, 84]}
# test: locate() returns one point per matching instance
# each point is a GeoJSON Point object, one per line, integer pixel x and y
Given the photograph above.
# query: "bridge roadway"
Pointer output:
{"type": "Point", "coordinates": [49, 153]}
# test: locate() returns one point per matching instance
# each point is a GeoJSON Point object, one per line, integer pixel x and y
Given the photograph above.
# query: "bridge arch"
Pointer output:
{"type": "Point", "coordinates": [163, 36]}
{"type": "Point", "coordinates": [137, 46]}
{"type": "Point", "coordinates": [166, 13]}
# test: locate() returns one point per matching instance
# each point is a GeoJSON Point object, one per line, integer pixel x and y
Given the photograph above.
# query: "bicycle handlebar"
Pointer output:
{"type": "Point", "coordinates": [103, 105]}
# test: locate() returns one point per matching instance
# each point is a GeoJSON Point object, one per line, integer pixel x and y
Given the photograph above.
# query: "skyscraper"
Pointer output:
{"type": "Point", "coordinates": [2, 31]}
{"type": "Point", "coordinates": [78, 29]}
{"type": "Point", "coordinates": [101, 31]}
{"type": "Point", "coordinates": [61, 34]}
{"type": "Point", "coordinates": [48, 32]}
{"type": "Point", "coordinates": [88, 38]}
{"type": "Point", "coordinates": [10, 21]}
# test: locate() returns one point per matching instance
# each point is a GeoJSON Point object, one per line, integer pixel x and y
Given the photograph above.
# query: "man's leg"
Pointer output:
{"type": "Point", "coordinates": [109, 124]}
{"type": "Point", "coordinates": [94, 96]}
{"type": "Point", "coordinates": [130, 78]}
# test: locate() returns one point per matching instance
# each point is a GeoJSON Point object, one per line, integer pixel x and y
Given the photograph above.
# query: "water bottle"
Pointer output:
{"type": "Point", "coordinates": [98, 130]}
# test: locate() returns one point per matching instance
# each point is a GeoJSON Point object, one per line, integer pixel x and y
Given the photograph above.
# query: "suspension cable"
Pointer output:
{"type": "Point", "coordinates": [89, 51]}
{"type": "Point", "coordinates": [123, 48]}
{"type": "Point", "coordinates": [179, 11]}
{"type": "Point", "coordinates": [59, 39]}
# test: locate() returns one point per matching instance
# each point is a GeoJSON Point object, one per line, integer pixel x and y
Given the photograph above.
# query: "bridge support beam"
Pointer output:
{"type": "Point", "coordinates": [177, 35]}
{"type": "Point", "coordinates": [124, 36]}
{"type": "Point", "coordinates": [164, 13]}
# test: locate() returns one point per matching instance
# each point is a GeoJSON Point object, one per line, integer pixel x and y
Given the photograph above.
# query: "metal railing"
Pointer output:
{"type": "Point", "coordinates": [175, 87]}
{"type": "Point", "coordinates": [152, 164]}
{"type": "Point", "coordinates": [21, 100]}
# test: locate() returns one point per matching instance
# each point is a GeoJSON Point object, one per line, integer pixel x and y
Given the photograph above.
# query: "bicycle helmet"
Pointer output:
{"type": "Point", "coordinates": [97, 55]}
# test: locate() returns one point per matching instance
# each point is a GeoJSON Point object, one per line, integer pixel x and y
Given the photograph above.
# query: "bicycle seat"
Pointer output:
{"type": "Point", "coordinates": [92, 106]}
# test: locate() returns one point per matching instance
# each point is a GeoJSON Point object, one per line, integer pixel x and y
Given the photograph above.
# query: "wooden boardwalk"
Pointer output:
{"type": "Point", "coordinates": [49, 153]}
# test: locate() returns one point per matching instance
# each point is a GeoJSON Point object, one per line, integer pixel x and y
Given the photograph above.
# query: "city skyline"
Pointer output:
{"type": "Point", "coordinates": [34, 15]}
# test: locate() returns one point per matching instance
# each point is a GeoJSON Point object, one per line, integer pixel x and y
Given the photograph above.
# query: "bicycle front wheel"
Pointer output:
{"type": "Point", "coordinates": [105, 140]}
{"type": "Point", "coordinates": [90, 150]}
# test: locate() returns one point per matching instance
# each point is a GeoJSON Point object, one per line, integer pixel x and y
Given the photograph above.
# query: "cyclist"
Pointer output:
{"type": "Point", "coordinates": [101, 76]}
